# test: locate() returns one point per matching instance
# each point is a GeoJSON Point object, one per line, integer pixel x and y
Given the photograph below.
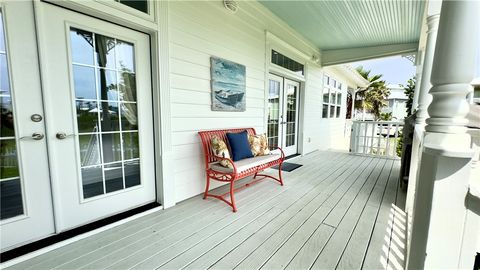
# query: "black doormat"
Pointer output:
{"type": "Point", "coordinates": [288, 167]}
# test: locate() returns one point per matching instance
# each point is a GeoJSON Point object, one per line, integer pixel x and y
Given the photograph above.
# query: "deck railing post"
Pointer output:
{"type": "Point", "coordinates": [423, 101]}
{"type": "Point", "coordinates": [439, 204]}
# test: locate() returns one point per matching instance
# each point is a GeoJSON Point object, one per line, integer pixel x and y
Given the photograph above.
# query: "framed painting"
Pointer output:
{"type": "Point", "coordinates": [228, 85]}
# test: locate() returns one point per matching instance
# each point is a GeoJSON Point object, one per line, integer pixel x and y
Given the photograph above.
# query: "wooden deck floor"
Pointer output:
{"type": "Point", "coordinates": [337, 211]}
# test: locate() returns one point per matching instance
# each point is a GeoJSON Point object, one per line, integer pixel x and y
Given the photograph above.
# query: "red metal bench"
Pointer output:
{"type": "Point", "coordinates": [241, 168]}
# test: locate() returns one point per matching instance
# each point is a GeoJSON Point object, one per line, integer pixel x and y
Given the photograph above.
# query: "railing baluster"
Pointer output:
{"type": "Point", "coordinates": [387, 147]}
{"type": "Point", "coordinates": [379, 129]}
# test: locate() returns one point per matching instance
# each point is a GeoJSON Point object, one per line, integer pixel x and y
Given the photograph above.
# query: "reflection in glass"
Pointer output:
{"type": "Point", "coordinates": [325, 111]}
{"type": "Point", "coordinates": [2, 37]}
{"type": "Point", "coordinates": [141, 5]}
{"type": "Point", "coordinates": [132, 173]}
{"type": "Point", "coordinates": [325, 95]}
{"type": "Point", "coordinates": [7, 128]}
{"type": "Point", "coordinates": [332, 111]}
{"type": "Point", "coordinates": [4, 80]}
{"type": "Point", "coordinates": [89, 149]}
{"type": "Point", "coordinates": [105, 51]}
{"type": "Point", "coordinates": [129, 116]}
{"type": "Point", "coordinates": [109, 116]}
{"type": "Point", "coordinates": [130, 145]}
{"type": "Point", "coordinates": [339, 98]}
{"type": "Point", "coordinates": [82, 46]}
{"type": "Point", "coordinates": [107, 84]}
{"type": "Point", "coordinates": [112, 150]}
{"type": "Point", "coordinates": [84, 81]}
{"type": "Point", "coordinates": [92, 181]}
{"type": "Point", "coordinates": [8, 159]}
{"type": "Point", "coordinates": [127, 86]}
{"type": "Point", "coordinates": [125, 56]}
{"type": "Point", "coordinates": [113, 177]}
{"type": "Point", "coordinates": [338, 112]}
{"type": "Point", "coordinates": [87, 116]}
{"type": "Point", "coordinates": [332, 97]}
{"type": "Point", "coordinates": [11, 204]}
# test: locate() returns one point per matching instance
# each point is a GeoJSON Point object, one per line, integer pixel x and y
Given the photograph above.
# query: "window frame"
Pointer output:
{"type": "Point", "coordinates": [334, 104]}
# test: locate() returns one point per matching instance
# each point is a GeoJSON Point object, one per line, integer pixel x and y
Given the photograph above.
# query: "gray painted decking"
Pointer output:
{"type": "Point", "coordinates": [337, 211]}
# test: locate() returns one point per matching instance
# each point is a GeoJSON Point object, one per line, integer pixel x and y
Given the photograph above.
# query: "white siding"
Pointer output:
{"type": "Point", "coordinates": [199, 30]}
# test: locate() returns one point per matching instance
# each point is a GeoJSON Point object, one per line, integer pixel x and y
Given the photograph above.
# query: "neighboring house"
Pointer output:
{"type": "Point", "coordinates": [396, 102]}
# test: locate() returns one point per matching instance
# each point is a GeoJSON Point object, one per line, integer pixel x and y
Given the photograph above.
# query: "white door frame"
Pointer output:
{"type": "Point", "coordinates": [294, 149]}
{"type": "Point", "coordinates": [71, 209]}
{"type": "Point", "coordinates": [158, 30]}
{"type": "Point", "coordinates": [282, 127]}
{"type": "Point", "coordinates": [22, 61]}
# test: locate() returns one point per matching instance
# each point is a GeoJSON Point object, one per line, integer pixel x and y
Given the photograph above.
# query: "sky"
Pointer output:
{"type": "Point", "coordinates": [395, 69]}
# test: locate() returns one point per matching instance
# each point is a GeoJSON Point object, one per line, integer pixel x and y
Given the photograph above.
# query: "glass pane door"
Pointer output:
{"type": "Point", "coordinates": [274, 111]}
{"type": "Point", "coordinates": [10, 183]}
{"type": "Point", "coordinates": [98, 92]}
{"type": "Point", "coordinates": [282, 123]}
{"type": "Point", "coordinates": [106, 104]}
{"type": "Point", "coordinates": [26, 212]}
{"type": "Point", "coordinates": [291, 114]}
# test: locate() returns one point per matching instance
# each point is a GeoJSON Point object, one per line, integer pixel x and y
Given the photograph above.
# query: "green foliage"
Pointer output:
{"type": "Point", "coordinates": [386, 116]}
{"type": "Point", "coordinates": [409, 92]}
{"type": "Point", "coordinates": [374, 94]}
{"type": "Point", "coordinates": [399, 144]}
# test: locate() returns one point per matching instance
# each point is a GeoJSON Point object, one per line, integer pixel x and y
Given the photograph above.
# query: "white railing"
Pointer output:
{"type": "Point", "coordinates": [379, 138]}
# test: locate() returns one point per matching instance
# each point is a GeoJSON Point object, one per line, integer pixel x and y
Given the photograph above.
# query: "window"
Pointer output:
{"type": "Point", "coordinates": [140, 5]}
{"type": "Point", "coordinates": [10, 181]}
{"type": "Point", "coordinates": [332, 98]}
{"type": "Point", "coordinates": [285, 62]}
{"type": "Point", "coordinates": [106, 102]}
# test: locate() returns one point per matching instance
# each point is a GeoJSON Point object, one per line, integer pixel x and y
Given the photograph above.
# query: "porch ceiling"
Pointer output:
{"type": "Point", "coordinates": [339, 25]}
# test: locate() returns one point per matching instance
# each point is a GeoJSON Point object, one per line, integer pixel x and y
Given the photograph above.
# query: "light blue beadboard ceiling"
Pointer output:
{"type": "Point", "coordinates": [332, 25]}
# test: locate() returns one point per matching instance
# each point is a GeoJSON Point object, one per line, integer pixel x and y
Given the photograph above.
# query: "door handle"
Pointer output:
{"type": "Point", "coordinates": [62, 135]}
{"type": "Point", "coordinates": [35, 136]}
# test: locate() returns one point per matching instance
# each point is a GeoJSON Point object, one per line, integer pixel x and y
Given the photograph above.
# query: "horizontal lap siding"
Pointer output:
{"type": "Point", "coordinates": [199, 30]}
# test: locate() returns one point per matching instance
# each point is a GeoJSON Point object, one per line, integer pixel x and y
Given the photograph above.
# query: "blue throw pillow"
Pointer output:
{"type": "Point", "coordinates": [239, 145]}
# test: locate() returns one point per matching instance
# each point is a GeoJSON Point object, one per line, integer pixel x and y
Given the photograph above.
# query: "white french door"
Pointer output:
{"type": "Point", "coordinates": [26, 212]}
{"type": "Point", "coordinates": [97, 94]}
{"type": "Point", "coordinates": [283, 102]}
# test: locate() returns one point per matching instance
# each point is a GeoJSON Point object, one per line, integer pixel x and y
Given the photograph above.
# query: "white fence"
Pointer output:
{"type": "Point", "coordinates": [379, 138]}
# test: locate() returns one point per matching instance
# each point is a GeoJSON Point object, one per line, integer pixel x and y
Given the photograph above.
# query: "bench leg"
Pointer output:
{"type": "Point", "coordinates": [232, 198]}
{"type": "Point", "coordinates": [280, 174]}
{"type": "Point", "coordinates": [207, 187]}
{"type": "Point", "coordinates": [255, 175]}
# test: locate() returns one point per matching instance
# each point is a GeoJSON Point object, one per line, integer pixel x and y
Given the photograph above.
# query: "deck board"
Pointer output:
{"type": "Point", "coordinates": [337, 211]}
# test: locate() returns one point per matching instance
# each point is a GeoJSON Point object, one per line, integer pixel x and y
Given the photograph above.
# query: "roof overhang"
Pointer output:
{"type": "Point", "coordinates": [353, 30]}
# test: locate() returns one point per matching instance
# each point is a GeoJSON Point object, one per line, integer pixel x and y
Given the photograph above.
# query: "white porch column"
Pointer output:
{"type": "Point", "coordinates": [419, 76]}
{"type": "Point", "coordinates": [439, 209]}
{"type": "Point", "coordinates": [424, 99]}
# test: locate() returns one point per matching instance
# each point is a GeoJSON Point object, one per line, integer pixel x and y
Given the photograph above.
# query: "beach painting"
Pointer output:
{"type": "Point", "coordinates": [228, 85]}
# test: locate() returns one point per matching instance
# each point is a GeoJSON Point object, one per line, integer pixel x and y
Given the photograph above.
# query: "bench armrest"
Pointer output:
{"type": "Point", "coordinates": [281, 152]}
{"type": "Point", "coordinates": [229, 159]}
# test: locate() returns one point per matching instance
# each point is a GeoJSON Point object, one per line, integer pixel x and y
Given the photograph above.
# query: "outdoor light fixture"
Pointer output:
{"type": "Point", "coordinates": [231, 5]}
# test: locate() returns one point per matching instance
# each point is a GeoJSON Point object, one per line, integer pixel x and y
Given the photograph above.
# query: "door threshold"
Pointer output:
{"type": "Point", "coordinates": [292, 156]}
{"type": "Point", "coordinates": [49, 243]}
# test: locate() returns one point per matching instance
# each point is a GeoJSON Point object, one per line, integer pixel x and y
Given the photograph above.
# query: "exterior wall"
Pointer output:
{"type": "Point", "coordinates": [199, 30]}
{"type": "Point", "coordinates": [334, 133]}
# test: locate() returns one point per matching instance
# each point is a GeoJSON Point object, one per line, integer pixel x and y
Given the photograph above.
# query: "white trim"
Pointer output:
{"type": "Point", "coordinates": [165, 172]}
{"type": "Point", "coordinates": [112, 12]}
{"type": "Point", "coordinates": [76, 238]}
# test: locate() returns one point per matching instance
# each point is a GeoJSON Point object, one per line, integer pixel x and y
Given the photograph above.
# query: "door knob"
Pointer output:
{"type": "Point", "coordinates": [62, 135]}
{"type": "Point", "coordinates": [35, 136]}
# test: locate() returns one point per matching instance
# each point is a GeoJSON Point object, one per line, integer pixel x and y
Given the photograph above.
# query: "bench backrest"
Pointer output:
{"type": "Point", "coordinates": [207, 135]}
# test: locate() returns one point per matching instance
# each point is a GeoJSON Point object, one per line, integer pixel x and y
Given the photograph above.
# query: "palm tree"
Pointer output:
{"type": "Point", "coordinates": [373, 96]}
